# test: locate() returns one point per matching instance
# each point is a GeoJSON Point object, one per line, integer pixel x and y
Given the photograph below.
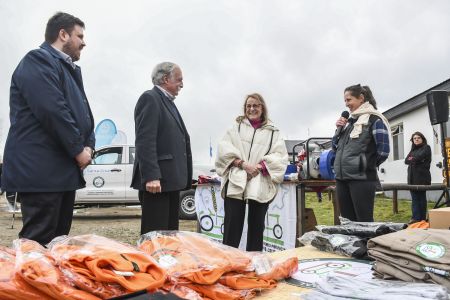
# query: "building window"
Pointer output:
{"type": "Point", "coordinates": [398, 148]}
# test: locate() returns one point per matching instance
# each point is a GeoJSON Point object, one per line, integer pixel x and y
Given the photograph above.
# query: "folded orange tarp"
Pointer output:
{"type": "Point", "coordinates": [100, 289]}
{"type": "Point", "coordinates": [246, 281]}
{"type": "Point", "coordinates": [13, 286]}
{"type": "Point", "coordinates": [104, 260]}
{"type": "Point", "coordinates": [218, 291]}
{"type": "Point", "coordinates": [192, 256]}
{"type": "Point", "coordinates": [39, 270]}
{"type": "Point", "coordinates": [281, 269]}
{"type": "Point", "coordinates": [182, 291]}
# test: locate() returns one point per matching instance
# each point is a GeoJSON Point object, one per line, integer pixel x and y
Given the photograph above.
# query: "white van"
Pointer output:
{"type": "Point", "coordinates": [108, 180]}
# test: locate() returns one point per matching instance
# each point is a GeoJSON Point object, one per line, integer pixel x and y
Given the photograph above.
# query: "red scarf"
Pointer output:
{"type": "Point", "coordinates": [256, 123]}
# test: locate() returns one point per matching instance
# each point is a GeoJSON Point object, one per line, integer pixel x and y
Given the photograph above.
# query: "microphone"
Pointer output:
{"type": "Point", "coordinates": [345, 114]}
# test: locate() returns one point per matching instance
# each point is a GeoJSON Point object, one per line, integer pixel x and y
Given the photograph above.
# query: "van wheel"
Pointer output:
{"type": "Point", "coordinates": [187, 205]}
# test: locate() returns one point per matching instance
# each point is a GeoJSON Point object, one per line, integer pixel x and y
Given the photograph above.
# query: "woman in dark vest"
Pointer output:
{"type": "Point", "coordinates": [361, 146]}
{"type": "Point", "coordinates": [418, 161]}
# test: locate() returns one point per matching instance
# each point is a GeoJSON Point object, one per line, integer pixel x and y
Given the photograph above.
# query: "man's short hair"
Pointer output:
{"type": "Point", "coordinates": [162, 70]}
{"type": "Point", "coordinates": [60, 21]}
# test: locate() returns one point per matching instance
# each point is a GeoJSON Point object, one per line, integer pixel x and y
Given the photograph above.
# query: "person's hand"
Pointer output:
{"type": "Point", "coordinates": [341, 122]}
{"type": "Point", "coordinates": [89, 150]}
{"type": "Point", "coordinates": [84, 158]}
{"type": "Point", "coordinates": [153, 186]}
{"type": "Point", "coordinates": [236, 162]}
{"type": "Point", "coordinates": [259, 167]}
{"type": "Point", "coordinates": [252, 170]}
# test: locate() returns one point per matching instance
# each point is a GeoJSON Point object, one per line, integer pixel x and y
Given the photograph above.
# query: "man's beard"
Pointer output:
{"type": "Point", "coordinates": [70, 49]}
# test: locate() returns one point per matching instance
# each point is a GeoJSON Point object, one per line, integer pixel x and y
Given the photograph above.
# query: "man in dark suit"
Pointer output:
{"type": "Point", "coordinates": [51, 137]}
{"type": "Point", "coordinates": [163, 164]}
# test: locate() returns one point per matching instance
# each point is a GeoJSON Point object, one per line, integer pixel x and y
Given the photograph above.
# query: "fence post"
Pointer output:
{"type": "Point", "coordinates": [336, 209]}
{"type": "Point", "coordinates": [394, 201]}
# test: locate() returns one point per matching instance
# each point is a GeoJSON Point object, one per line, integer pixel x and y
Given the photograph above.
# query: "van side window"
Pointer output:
{"type": "Point", "coordinates": [109, 156]}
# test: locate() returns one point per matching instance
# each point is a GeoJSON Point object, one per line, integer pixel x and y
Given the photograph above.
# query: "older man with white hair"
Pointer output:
{"type": "Point", "coordinates": [163, 164]}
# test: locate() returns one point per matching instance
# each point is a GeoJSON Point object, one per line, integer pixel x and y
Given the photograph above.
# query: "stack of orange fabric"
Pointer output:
{"type": "Point", "coordinates": [211, 269]}
{"type": "Point", "coordinates": [194, 257]}
{"type": "Point", "coordinates": [91, 267]}
{"type": "Point", "coordinates": [106, 267]}
{"type": "Point", "coordinates": [13, 286]}
{"type": "Point", "coordinates": [39, 270]}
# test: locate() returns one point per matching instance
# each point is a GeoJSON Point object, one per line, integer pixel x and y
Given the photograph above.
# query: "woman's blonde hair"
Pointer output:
{"type": "Point", "coordinates": [264, 113]}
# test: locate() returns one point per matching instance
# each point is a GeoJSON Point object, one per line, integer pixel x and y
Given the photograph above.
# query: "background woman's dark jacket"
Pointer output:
{"type": "Point", "coordinates": [418, 161]}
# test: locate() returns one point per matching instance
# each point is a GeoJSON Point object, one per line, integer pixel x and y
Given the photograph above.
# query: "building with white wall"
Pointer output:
{"type": "Point", "coordinates": [405, 119]}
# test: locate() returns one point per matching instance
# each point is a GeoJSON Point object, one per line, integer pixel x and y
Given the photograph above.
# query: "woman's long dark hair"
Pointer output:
{"type": "Point", "coordinates": [424, 140]}
{"type": "Point", "coordinates": [357, 90]}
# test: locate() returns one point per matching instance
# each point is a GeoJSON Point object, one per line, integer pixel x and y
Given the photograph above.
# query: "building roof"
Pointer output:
{"type": "Point", "coordinates": [414, 102]}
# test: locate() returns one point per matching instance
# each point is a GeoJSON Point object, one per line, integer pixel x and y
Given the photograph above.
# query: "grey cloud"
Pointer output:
{"type": "Point", "coordinates": [299, 55]}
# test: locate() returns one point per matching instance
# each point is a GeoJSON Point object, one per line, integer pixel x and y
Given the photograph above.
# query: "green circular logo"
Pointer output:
{"type": "Point", "coordinates": [430, 250]}
{"type": "Point", "coordinates": [98, 182]}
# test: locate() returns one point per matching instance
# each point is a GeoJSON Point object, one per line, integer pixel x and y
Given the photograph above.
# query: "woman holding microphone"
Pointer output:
{"type": "Point", "coordinates": [361, 144]}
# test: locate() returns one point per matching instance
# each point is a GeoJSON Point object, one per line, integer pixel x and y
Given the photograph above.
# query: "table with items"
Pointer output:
{"type": "Point", "coordinates": [285, 219]}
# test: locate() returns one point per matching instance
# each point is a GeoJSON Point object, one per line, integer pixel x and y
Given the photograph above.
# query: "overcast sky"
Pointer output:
{"type": "Point", "coordinates": [300, 55]}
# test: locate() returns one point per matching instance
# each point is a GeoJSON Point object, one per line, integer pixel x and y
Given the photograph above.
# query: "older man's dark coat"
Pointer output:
{"type": "Point", "coordinates": [163, 150]}
{"type": "Point", "coordinates": [51, 122]}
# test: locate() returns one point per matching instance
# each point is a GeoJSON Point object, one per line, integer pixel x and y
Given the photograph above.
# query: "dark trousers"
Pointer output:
{"type": "Point", "coordinates": [419, 205]}
{"type": "Point", "coordinates": [234, 223]}
{"type": "Point", "coordinates": [159, 211]}
{"type": "Point", "coordinates": [356, 199]}
{"type": "Point", "coordinates": [46, 215]}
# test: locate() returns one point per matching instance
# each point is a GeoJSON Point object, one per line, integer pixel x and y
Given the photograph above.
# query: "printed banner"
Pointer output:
{"type": "Point", "coordinates": [281, 217]}
{"type": "Point", "coordinates": [310, 271]}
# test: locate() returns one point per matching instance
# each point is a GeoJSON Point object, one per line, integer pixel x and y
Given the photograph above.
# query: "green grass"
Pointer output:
{"type": "Point", "coordinates": [383, 209]}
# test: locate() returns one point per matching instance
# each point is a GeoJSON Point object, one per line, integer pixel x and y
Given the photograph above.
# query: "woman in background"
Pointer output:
{"type": "Point", "coordinates": [252, 160]}
{"type": "Point", "coordinates": [418, 161]}
{"type": "Point", "coordinates": [361, 146]}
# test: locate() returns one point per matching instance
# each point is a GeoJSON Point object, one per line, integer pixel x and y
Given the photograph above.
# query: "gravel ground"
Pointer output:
{"type": "Point", "coordinates": [118, 222]}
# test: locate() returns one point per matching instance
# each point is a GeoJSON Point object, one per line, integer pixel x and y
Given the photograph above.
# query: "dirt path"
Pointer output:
{"type": "Point", "coordinates": [119, 223]}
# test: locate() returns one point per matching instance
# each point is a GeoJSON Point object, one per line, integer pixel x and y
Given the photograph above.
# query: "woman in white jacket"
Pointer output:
{"type": "Point", "coordinates": [252, 160]}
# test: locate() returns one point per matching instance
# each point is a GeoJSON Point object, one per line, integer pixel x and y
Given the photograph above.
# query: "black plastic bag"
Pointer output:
{"type": "Point", "coordinates": [362, 229]}
{"type": "Point", "coordinates": [346, 245]}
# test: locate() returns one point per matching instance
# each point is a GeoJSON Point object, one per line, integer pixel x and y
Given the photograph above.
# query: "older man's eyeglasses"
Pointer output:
{"type": "Point", "coordinates": [250, 106]}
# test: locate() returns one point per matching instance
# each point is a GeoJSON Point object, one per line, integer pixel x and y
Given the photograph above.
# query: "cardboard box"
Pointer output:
{"type": "Point", "coordinates": [439, 218]}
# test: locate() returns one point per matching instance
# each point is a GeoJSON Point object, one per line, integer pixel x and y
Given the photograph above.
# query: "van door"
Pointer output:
{"type": "Point", "coordinates": [105, 177]}
{"type": "Point", "coordinates": [130, 193]}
